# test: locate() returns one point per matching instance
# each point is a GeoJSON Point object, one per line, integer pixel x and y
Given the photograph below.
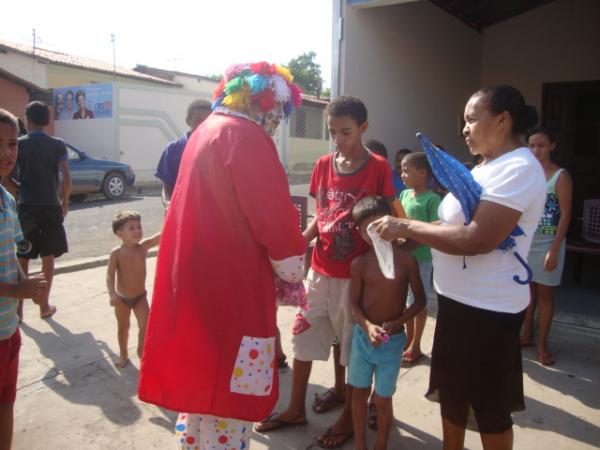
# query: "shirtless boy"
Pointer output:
{"type": "Point", "coordinates": [379, 307]}
{"type": "Point", "coordinates": [128, 262]}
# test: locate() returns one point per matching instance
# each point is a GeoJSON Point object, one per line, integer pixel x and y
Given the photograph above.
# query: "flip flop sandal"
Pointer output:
{"type": "Point", "coordinates": [277, 424]}
{"type": "Point", "coordinates": [339, 438]}
{"type": "Point", "coordinates": [410, 359]}
{"type": "Point", "coordinates": [327, 401]}
{"type": "Point", "coordinates": [546, 359]}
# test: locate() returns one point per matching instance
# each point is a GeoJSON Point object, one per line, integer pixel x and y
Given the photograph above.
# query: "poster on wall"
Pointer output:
{"type": "Point", "coordinates": [90, 101]}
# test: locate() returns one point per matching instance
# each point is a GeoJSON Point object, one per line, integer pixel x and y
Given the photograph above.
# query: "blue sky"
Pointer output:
{"type": "Point", "coordinates": [200, 37]}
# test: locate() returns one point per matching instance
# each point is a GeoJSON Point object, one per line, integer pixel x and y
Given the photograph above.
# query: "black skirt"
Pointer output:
{"type": "Point", "coordinates": [476, 369]}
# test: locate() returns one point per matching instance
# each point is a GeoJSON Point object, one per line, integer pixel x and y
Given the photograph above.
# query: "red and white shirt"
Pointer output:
{"type": "Point", "coordinates": [336, 193]}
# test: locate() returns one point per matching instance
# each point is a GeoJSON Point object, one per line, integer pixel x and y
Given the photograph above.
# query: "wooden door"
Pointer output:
{"type": "Point", "coordinates": [572, 112]}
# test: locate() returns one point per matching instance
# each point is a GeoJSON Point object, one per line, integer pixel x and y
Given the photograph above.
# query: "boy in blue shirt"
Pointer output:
{"type": "Point", "coordinates": [13, 283]}
{"type": "Point", "coordinates": [170, 159]}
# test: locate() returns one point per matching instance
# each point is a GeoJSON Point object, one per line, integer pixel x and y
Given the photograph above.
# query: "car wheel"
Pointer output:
{"type": "Point", "coordinates": [114, 186]}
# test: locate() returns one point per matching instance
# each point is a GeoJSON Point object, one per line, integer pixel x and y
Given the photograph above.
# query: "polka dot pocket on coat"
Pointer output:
{"type": "Point", "coordinates": [253, 371]}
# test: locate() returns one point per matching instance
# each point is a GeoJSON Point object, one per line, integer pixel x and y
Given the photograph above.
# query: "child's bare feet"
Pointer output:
{"type": "Point", "coordinates": [121, 361]}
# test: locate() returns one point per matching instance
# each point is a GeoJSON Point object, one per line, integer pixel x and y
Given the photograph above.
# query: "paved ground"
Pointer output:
{"type": "Point", "coordinates": [72, 396]}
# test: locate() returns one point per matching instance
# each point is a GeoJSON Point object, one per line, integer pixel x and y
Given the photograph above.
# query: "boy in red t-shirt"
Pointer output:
{"type": "Point", "coordinates": [338, 181]}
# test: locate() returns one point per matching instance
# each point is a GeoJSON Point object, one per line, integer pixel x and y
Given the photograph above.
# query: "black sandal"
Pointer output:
{"type": "Point", "coordinates": [282, 362]}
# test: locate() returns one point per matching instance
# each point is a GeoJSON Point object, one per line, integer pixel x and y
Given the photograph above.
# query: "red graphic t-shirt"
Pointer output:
{"type": "Point", "coordinates": [336, 193]}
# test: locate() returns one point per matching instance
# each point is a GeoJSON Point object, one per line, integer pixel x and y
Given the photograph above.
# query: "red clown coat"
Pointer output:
{"type": "Point", "coordinates": [210, 341]}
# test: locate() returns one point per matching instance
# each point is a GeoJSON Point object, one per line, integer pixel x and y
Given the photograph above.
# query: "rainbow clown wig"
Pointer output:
{"type": "Point", "coordinates": [261, 84]}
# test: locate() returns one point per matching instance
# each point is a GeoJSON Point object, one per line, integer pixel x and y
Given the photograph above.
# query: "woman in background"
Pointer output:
{"type": "Point", "coordinates": [547, 254]}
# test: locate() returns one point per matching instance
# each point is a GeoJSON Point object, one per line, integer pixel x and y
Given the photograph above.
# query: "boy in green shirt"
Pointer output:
{"type": "Point", "coordinates": [420, 203]}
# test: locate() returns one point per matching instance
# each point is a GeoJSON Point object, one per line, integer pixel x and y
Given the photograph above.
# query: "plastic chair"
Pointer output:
{"type": "Point", "coordinates": [590, 237]}
{"type": "Point", "coordinates": [301, 203]}
{"type": "Point", "coordinates": [591, 220]}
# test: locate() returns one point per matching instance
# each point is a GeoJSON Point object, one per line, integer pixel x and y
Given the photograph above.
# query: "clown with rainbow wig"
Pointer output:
{"type": "Point", "coordinates": [265, 92]}
{"type": "Point", "coordinates": [230, 230]}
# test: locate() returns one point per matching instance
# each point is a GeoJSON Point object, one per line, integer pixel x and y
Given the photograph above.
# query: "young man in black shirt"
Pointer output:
{"type": "Point", "coordinates": [41, 210]}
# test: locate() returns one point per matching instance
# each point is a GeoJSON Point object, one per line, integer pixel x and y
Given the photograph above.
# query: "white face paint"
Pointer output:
{"type": "Point", "coordinates": [269, 120]}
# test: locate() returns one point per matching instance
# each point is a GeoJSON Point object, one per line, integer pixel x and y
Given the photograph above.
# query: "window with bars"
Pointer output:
{"type": "Point", "coordinates": [300, 123]}
{"type": "Point", "coordinates": [307, 122]}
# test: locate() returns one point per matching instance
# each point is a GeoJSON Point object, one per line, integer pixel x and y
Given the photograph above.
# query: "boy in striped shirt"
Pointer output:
{"type": "Point", "coordinates": [13, 283]}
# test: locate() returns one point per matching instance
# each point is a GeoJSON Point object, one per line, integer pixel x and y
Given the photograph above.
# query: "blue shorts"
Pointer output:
{"type": "Point", "coordinates": [384, 361]}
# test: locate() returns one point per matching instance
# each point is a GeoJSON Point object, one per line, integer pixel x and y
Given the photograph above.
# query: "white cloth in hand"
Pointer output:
{"type": "Point", "coordinates": [384, 252]}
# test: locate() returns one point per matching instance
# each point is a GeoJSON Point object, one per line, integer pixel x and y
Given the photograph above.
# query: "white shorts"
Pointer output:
{"type": "Point", "coordinates": [205, 432]}
{"type": "Point", "coordinates": [329, 317]}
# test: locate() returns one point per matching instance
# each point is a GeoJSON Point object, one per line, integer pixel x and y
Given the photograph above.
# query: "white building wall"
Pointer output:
{"type": "Point", "coordinates": [148, 119]}
{"type": "Point", "coordinates": [96, 137]}
{"type": "Point", "coordinates": [414, 66]}
{"type": "Point", "coordinates": [557, 42]}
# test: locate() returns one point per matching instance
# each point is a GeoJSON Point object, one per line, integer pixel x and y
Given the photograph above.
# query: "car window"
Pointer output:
{"type": "Point", "coordinates": [73, 155]}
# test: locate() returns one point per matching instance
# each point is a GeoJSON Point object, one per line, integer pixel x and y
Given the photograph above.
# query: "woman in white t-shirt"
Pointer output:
{"type": "Point", "coordinates": [476, 370]}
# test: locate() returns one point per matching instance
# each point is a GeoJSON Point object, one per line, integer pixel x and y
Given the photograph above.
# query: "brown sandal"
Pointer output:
{"type": "Point", "coordinates": [339, 438]}
{"type": "Point", "coordinates": [272, 424]}
{"type": "Point", "coordinates": [327, 401]}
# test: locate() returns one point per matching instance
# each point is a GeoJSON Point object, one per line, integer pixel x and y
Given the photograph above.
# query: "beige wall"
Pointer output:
{"type": "Point", "coordinates": [61, 76]}
{"type": "Point", "coordinates": [303, 153]}
{"type": "Point", "coordinates": [415, 66]}
{"type": "Point", "coordinates": [197, 84]}
{"type": "Point", "coordinates": [25, 68]}
{"type": "Point", "coordinates": [557, 42]}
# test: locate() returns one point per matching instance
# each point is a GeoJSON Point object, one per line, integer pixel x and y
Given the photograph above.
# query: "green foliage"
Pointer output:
{"type": "Point", "coordinates": [307, 73]}
{"type": "Point", "coordinates": [214, 76]}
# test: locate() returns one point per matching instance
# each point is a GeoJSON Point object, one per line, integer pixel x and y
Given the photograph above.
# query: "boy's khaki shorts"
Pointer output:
{"type": "Point", "coordinates": [329, 317]}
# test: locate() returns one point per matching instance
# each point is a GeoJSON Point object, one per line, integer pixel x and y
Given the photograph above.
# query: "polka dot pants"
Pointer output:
{"type": "Point", "coordinates": [204, 432]}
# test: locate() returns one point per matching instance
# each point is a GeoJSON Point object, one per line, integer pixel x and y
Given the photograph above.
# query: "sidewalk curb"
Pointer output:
{"type": "Point", "coordinates": [86, 263]}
